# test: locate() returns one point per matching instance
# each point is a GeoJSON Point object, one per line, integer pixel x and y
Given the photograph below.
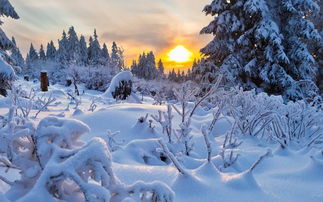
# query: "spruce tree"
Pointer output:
{"type": "Point", "coordinates": [161, 68]}
{"type": "Point", "coordinates": [51, 51]}
{"type": "Point", "coordinates": [262, 43]}
{"type": "Point", "coordinates": [83, 51]}
{"type": "Point", "coordinates": [42, 55]}
{"type": "Point", "coordinates": [32, 57]}
{"type": "Point", "coordinates": [105, 58]}
{"type": "Point", "coordinates": [73, 46]}
{"type": "Point", "coordinates": [117, 60]}
{"type": "Point", "coordinates": [62, 52]}
{"type": "Point", "coordinates": [16, 55]}
{"type": "Point", "coordinates": [94, 50]}
{"type": "Point", "coordinates": [7, 74]}
{"type": "Point", "coordinates": [134, 69]}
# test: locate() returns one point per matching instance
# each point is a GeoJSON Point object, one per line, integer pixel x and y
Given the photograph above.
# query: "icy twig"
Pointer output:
{"type": "Point", "coordinates": [172, 157]}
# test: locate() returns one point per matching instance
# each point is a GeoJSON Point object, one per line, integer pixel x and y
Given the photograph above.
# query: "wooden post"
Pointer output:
{"type": "Point", "coordinates": [43, 81]}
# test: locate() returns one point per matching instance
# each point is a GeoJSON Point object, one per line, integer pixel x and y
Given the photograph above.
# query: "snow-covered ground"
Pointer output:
{"type": "Point", "coordinates": [282, 175]}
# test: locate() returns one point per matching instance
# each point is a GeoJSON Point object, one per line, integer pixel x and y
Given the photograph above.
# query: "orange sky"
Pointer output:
{"type": "Point", "coordinates": [136, 25]}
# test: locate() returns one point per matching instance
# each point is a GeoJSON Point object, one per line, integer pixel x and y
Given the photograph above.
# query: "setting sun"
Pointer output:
{"type": "Point", "coordinates": [180, 54]}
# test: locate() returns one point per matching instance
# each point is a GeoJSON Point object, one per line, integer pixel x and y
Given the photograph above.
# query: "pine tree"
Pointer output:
{"type": "Point", "coordinates": [105, 57]}
{"type": "Point", "coordinates": [7, 74]}
{"type": "Point", "coordinates": [73, 46]}
{"type": "Point", "coordinates": [62, 52]}
{"type": "Point", "coordinates": [161, 68]}
{"type": "Point", "coordinates": [51, 51]}
{"type": "Point", "coordinates": [16, 54]}
{"type": "Point", "coordinates": [94, 50]}
{"type": "Point", "coordinates": [260, 43]}
{"type": "Point", "coordinates": [172, 75]}
{"type": "Point", "coordinates": [151, 70]}
{"type": "Point", "coordinates": [42, 55]}
{"type": "Point", "coordinates": [83, 51]}
{"type": "Point", "coordinates": [189, 74]}
{"type": "Point", "coordinates": [32, 57]}
{"type": "Point", "coordinates": [117, 60]}
{"type": "Point", "coordinates": [134, 69]}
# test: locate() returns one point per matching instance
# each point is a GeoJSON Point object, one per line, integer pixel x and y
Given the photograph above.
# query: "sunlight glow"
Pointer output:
{"type": "Point", "coordinates": [180, 54]}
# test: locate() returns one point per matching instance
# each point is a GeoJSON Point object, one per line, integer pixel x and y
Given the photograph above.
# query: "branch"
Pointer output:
{"type": "Point", "coordinates": [172, 157]}
{"type": "Point", "coordinates": [261, 158]}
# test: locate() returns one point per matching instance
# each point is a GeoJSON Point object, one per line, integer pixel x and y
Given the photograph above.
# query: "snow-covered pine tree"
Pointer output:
{"type": "Point", "coordinates": [32, 62]}
{"type": "Point", "coordinates": [189, 74]}
{"type": "Point", "coordinates": [134, 68]}
{"type": "Point", "coordinates": [298, 31]}
{"type": "Point", "coordinates": [83, 51]}
{"type": "Point", "coordinates": [73, 46]}
{"type": "Point", "coordinates": [161, 68]}
{"type": "Point", "coordinates": [262, 44]}
{"type": "Point", "coordinates": [117, 60]}
{"type": "Point", "coordinates": [172, 75]}
{"type": "Point", "coordinates": [62, 52]}
{"type": "Point", "coordinates": [105, 57]}
{"type": "Point", "coordinates": [51, 51]}
{"type": "Point", "coordinates": [7, 74]}
{"type": "Point", "coordinates": [94, 50]}
{"type": "Point", "coordinates": [16, 55]}
{"type": "Point", "coordinates": [32, 57]}
{"type": "Point", "coordinates": [42, 55]}
{"type": "Point", "coordinates": [151, 71]}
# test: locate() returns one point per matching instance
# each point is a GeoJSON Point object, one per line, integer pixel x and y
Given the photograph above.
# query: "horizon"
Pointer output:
{"type": "Point", "coordinates": [39, 24]}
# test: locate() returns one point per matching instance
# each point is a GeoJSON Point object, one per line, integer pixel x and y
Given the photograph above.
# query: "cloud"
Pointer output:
{"type": "Point", "coordinates": [137, 25]}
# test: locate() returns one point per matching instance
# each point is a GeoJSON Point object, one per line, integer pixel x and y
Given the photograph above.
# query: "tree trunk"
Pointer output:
{"type": "Point", "coordinates": [43, 81]}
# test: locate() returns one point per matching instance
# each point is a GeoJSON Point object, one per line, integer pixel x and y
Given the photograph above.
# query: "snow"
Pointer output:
{"type": "Point", "coordinates": [121, 76]}
{"type": "Point", "coordinates": [6, 71]}
{"type": "Point", "coordinates": [139, 161]}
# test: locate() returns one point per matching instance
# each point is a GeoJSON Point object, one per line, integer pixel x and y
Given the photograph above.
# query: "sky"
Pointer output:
{"type": "Point", "coordinates": [136, 25]}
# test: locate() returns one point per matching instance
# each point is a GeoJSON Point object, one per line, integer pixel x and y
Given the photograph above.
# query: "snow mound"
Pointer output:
{"type": "Point", "coordinates": [122, 76]}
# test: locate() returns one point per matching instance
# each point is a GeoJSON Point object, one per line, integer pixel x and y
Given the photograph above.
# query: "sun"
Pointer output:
{"type": "Point", "coordinates": [179, 54]}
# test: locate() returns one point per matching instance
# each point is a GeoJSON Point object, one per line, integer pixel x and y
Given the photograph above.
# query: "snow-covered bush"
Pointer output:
{"type": "Point", "coordinates": [120, 87]}
{"type": "Point", "coordinates": [96, 77]}
{"type": "Point", "coordinates": [268, 117]}
{"type": "Point", "coordinates": [55, 165]}
{"type": "Point", "coordinates": [160, 90]}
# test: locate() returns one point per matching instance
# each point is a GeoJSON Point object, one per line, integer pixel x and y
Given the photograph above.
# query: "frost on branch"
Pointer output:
{"type": "Point", "coordinates": [56, 165]}
{"type": "Point", "coordinates": [60, 132]}
{"type": "Point", "coordinates": [70, 170]}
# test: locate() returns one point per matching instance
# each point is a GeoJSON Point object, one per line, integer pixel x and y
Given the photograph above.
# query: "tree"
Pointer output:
{"type": "Point", "coordinates": [117, 60]}
{"type": "Point", "coordinates": [51, 51]}
{"type": "Point", "coordinates": [146, 67]}
{"type": "Point", "coordinates": [62, 53]}
{"type": "Point", "coordinates": [105, 57]}
{"type": "Point", "coordinates": [42, 55]}
{"type": "Point", "coordinates": [16, 55]}
{"type": "Point", "coordinates": [161, 67]}
{"type": "Point", "coordinates": [7, 74]}
{"type": "Point", "coordinates": [151, 71]}
{"type": "Point", "coordinates": [94, 50]}
{"type": "Point", "coordinates": [83, 51]}
{"type": "Point", "coordinates": [172, 75]}
{"type": "Point", "coordinates": [32, 56]}
{"type": "Point", "coordinates": [134, 68]}
{"type": "Point", "coordinates": [73, 46]}
{"type": "Point", "coordinates": [262, 44]}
